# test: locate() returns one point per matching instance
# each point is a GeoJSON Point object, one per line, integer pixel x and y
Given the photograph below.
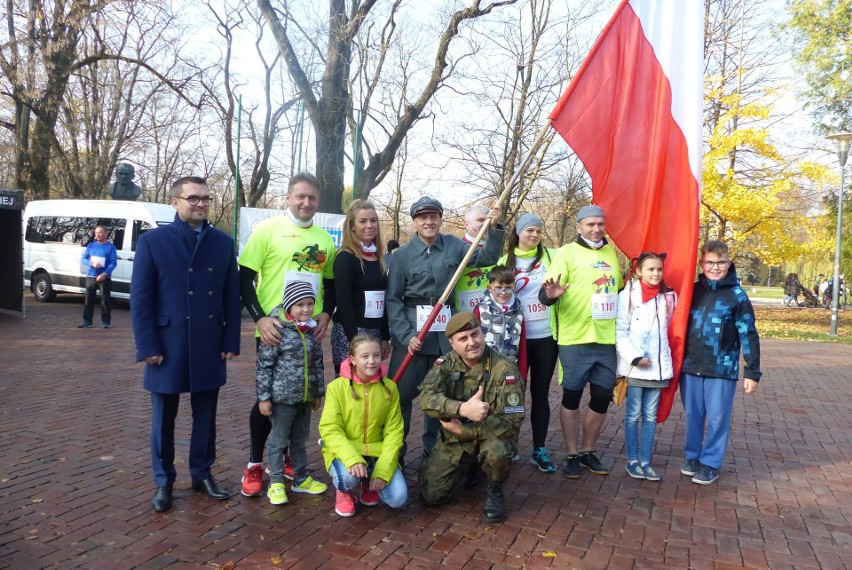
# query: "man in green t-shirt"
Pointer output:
{"type": "Point", "coordinates": [285, 248]}
{"type": "Point", "coordinates": [582, 282]}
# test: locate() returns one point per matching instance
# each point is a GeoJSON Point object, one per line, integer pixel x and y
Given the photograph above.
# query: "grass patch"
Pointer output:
{"type": "Point", "coordinates": [802, 324]}
{"type": "Point", "coordinates": [765, 292]}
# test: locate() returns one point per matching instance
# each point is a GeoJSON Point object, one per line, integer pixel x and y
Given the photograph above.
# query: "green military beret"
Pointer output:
{"type": "Point", "coordinates": [461, 322]}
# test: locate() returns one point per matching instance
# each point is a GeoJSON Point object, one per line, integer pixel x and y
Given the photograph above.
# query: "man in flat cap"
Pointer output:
{"type": "Point", "coordinates": [421, 270]}
{"type": "Point", "coordinates": [478, 396]}
{"type": "Point", "coordinates": [582, 282]}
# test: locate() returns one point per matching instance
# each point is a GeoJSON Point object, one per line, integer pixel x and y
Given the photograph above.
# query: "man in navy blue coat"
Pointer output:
{"type": "Point", "coordinates": [185, 307]}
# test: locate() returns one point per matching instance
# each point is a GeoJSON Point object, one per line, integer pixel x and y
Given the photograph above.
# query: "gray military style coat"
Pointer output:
{"type": "Point", "coordinates": [418, 276]}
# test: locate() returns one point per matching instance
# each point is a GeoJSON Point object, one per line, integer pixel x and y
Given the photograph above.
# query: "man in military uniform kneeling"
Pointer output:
{"type": "Point", "coordinates": [478, 396]}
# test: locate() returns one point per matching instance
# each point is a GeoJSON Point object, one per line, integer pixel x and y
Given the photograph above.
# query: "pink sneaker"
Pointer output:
{"type": "Point", "coordinates": [344, 504]}
{"type": "Point", "coordinates": [368, 497]}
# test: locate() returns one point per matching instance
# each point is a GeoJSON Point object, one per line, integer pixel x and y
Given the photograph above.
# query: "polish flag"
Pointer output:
{"type": "Point", "coordinates": [633, 115]}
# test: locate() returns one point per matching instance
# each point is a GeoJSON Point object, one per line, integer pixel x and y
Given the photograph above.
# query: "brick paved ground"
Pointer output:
{"type": "Point", "coordinates": [75, 484]}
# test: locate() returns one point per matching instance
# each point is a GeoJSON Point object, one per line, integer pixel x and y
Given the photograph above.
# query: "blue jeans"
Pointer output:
{"type": "Point", "coordinates": [290, 426]}
{"type": "Point", "coordinates": [640, 402]}
{"type": "Point", "coordinates": [711, 401]}
{"type": "Point", "coordinates": [395, 493]}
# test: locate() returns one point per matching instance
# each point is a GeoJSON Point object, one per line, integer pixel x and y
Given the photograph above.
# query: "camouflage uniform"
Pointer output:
{"type": "Point", "coordinates": [447, 385]}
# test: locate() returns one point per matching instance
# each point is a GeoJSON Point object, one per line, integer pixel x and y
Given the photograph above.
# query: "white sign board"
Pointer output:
{"type": "Point", "coordinates": [249, 217]}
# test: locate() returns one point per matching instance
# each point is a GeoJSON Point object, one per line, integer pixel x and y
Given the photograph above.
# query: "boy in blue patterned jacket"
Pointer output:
{"type": "Point", "coordinates": [721, 323]}
{"type": "Point", "coordinates": [290, 385]}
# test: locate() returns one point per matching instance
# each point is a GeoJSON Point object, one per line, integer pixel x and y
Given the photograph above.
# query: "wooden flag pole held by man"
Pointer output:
{"type": "Point", "coordinates": [516, 177]}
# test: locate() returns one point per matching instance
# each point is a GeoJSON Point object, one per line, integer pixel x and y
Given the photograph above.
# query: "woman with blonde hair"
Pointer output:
{"type": "Point", "coordinates": [360, 279]}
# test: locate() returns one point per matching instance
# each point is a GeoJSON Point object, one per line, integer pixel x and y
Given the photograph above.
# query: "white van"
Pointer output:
{"type": "Point", "coordinates": [56, 233]}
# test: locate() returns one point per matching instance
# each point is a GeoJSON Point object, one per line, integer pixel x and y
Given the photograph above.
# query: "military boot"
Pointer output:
{"type": "Point", "coordinates": [495, 505]}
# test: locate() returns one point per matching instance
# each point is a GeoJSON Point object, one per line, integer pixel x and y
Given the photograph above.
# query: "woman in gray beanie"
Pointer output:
{"type": "Point", "coordinates": [530, 260]}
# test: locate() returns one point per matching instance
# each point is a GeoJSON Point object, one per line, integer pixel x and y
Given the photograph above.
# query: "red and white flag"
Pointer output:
{"type": "Point", "coordinates": [633, 115]}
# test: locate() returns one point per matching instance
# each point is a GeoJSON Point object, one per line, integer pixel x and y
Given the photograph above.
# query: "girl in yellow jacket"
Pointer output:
{"type": "Point", "coordinates": [362, 431]}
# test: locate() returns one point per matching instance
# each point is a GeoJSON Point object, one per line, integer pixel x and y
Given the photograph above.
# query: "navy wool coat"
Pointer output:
{"type": "Point", "coordinates": [185, 305]}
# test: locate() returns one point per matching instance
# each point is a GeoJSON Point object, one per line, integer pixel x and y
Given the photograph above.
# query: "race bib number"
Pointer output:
{"type": "Point", "coordinates": [374, 304]}
{"type": "Point", "coordinates": [311, 278]}
{"type": "Point", "coordinates": [535, 311]}
{"type": "Point", "coordinates": [440, 324]}
{"type": "Point", "coordinates": [603, 306]}
{"type": "Point", "coordinates": [468, 299]}
{"type": "Point", "coordinates": [99, 259]}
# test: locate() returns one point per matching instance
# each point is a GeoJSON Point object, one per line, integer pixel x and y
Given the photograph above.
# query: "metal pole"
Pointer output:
{"type": "Point", "coordinates": [237, 170]}
{"type": "Point", "coordinates": [842, 140]}
{"type": "Point", "coordinates": [835, 289]}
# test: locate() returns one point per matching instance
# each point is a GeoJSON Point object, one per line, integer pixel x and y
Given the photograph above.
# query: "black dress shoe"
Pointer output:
{"type": "Point", "coordinates": [210, 487]}
{"type": "Point", "coordinates": [162, 500]}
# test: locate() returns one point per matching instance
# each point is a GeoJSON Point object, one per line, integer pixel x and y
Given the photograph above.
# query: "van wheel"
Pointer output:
{"type": "Point", "coordinates": [43, 288]}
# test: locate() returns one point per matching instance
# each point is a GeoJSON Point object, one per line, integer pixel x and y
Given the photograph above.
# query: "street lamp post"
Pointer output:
{"type": "Point", "coordinates": [842, 140]}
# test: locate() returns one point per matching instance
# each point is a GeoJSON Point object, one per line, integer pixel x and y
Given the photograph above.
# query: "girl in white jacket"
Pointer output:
{"type": "Point", "coordinates": [645, 308]}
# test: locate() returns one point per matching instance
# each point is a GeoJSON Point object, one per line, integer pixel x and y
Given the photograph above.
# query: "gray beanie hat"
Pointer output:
{"type": "Point", "coordinates": [590, 211]}
{"type": "Point", "coordinates": [526, 220]}
{"type": "Point", "coordinates": [295, 291]}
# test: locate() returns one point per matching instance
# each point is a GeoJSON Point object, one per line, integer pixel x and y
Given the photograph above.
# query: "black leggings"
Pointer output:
{"type": "Point", "coordinates": [542, 354]}
{"type": "Point", "coordinates": [259, 428]}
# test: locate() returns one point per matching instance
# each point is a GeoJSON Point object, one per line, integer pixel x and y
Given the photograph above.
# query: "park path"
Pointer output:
{"type": "Point", "coordinates": [75, 484]}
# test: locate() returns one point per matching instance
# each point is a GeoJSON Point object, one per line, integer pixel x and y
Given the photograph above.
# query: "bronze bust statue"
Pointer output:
{"type": "Point", "coordinates": [124, 188]}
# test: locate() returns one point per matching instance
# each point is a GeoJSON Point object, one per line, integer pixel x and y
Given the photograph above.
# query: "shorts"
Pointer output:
{"type": "Point", "coordinates": [585, 363]}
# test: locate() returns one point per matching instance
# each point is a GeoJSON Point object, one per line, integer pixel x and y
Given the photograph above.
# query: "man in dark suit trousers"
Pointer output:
{"type": "Point", "coordinates": [185, 307]}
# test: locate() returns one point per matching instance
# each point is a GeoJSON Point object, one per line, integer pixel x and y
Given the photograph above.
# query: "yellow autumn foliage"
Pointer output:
{"type": "Point", "coordinates": [754, 197]}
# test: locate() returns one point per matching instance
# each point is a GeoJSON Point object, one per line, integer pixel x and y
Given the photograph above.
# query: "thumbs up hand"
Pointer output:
{"type": "Point", "coordinates": [475, 409]}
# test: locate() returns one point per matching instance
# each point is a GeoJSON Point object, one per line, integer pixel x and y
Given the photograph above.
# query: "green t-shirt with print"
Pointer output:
{"type": "Point", "coordinates": [280, 251]}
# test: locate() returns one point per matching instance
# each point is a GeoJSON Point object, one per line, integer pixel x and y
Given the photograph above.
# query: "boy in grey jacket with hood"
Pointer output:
{"type": "Point", "coordinates": [290, 385]}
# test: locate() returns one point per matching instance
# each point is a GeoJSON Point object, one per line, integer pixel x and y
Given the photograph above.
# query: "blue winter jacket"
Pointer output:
{"type": "Point", "coordinates": [721, 322]}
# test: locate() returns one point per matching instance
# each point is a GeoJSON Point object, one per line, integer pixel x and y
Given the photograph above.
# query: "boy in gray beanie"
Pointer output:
{"type": "Point", "coordinates": [290, 385]}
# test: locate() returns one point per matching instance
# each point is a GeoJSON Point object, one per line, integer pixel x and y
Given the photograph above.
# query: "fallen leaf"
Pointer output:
{"type": "Point", "coordinates": [6, 480]}
{"type": "Point", "coordinates": [541, 535]}
{"type": "Point", "coordinates": [38, 500]}
{"type": "Point", "coordinates": [276, 560]}
{"type": "Point", "coordinates": [548, 554]}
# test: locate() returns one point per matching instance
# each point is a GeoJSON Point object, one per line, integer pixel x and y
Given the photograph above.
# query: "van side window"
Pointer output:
{"type": "Point", "coordinates": [58, 229]}
{"type": "Point", "coordinates": [139, 228]}
{"type": "Point", "coordinates": [115, 230]}
{"type": "Point", "coordinates": [73, 230]}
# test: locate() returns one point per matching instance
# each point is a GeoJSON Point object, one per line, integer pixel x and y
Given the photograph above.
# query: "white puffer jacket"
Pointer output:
{"type": "Point", "coordinates": [644, 327]}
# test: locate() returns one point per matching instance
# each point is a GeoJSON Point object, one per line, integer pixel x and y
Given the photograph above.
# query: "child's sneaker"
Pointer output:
{"type": "Point", "coordinates": [288, 467]}
{"type": "Point", "coordinates": [705, 475]}
{"type": "Point", "coordinates": [541, 458]}
{"type": "Point", "coordinates": [310, 486]}
{"type": "Point", "coordinates": [276, 493]}
{"type": "Point", "coordinates": [689, 467]}
{"type": "Point", "coordinates": [344, 504]}
{"type": "Point", "coordinates": [635, 470]}
{"type": "Point", "coordinates": [252, 482]}
{"type": "Point", "coordinates": [650, 473]}
{"type": "Point", "coordinates": [368, 497]}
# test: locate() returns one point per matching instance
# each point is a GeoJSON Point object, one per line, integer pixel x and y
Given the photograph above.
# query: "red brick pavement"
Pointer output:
{"type": "Point", "coordinates": [75, 484]}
